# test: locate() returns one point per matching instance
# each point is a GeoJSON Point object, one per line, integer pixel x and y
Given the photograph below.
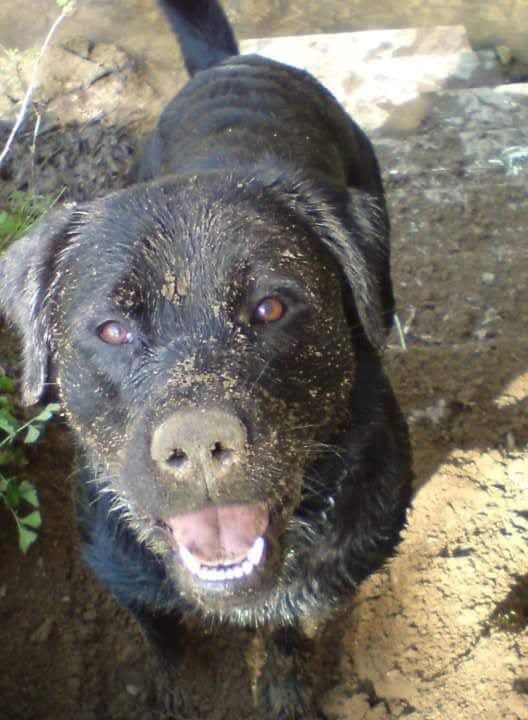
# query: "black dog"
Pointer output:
{"type": "Point", "coordinates": [214, 332]}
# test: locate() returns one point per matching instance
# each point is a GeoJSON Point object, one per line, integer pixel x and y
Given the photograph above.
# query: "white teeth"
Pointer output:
{"type": "Point", "coordinates": [255, 554]}
{"type": "Point", "coordinates": [190, 562]}
{"type": "Point", "coordinates": [227, 572]}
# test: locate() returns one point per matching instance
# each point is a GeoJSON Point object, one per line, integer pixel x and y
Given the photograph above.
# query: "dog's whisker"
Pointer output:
{"type": "Point", "coordinates": [259, 377]}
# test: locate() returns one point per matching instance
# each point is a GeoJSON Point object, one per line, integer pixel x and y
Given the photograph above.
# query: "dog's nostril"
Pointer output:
{"type": "Point", "coordinates": [222, 455]}
{"type": "Point", "coordinates": [176, 459]}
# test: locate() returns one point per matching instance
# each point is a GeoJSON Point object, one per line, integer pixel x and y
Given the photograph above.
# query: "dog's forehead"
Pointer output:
{"type": "Point", "coordinates": [177, 237]}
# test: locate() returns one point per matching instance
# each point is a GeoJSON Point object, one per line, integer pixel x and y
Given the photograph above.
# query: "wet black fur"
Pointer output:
{"type": "Point", "coordinates": [252, 162]}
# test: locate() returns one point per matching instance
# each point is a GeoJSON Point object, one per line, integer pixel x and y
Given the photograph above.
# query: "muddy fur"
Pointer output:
{"type": "Point", "coordinates": [255, 185]}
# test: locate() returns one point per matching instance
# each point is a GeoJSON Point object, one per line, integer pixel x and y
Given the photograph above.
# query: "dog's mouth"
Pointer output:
{"type": "Point", "coordinates": [223, 573]}
{"type": "Point", "coordinates": [221, 544]}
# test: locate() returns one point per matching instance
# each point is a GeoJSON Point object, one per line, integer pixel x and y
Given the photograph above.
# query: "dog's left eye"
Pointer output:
{"type": "Point", "coordinates": [113, 333]}
{"type": "Point", "coordinates": [268, 310]}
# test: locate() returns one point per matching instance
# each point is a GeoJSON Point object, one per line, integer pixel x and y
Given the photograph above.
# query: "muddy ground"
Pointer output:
{"type": "Point", "coordinates": [442, 631]}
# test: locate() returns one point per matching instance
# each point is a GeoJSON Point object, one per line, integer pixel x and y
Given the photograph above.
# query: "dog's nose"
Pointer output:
{"type": "Point", "coordinates": [200, 443]}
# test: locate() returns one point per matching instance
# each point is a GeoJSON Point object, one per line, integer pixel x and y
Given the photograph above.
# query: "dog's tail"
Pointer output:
{"type": "Point", "coordinates": [203, 31]}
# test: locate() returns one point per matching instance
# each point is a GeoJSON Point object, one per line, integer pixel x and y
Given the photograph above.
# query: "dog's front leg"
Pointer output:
{"type": "Point", "coordinates": [284, 686]}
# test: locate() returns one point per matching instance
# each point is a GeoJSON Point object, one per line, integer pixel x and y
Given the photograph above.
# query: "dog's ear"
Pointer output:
{"type": "Point", "coordinates": [354, 226]}
{"type": "Point", "coordinates": [357, 231]}
{"type": "Point", "coordinates": [25, 272]}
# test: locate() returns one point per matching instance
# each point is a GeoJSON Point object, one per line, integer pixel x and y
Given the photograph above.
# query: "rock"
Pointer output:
{"type": "Point", "coordinates": [504, 54]}
{"type": "Point", "coordinates": [376, 73]}
{"type": "Point", "coordinates": [488, 278]}
{"type": "Point", "coordinates": [89, 615]}
{"type": "Point", "coordinates": [43, 632]}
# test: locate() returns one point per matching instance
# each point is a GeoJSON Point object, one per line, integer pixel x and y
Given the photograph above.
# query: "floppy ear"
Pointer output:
{"type": "Point", "coordinates": [358, 234]}
{"type": "Point", "coordinates": [25, 271]}
{"type": "Point", "coordinates": [354, 226]}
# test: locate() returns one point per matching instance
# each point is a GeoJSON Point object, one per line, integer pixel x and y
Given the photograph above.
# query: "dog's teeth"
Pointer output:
{"type": "Point", "coordinates": [255, 554]}
{"type": "Point", "coordinates": [229, 572]}
{"type": "Point", "coordinates": [205, 573]}
{"type": "Point", "coordinates": [190, 562]}
{"type": "Point", "coordinates": [213, 574]}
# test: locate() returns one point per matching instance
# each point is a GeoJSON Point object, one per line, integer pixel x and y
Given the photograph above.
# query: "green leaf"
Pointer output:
{"type": "Point", "coordinates": [33, 520]}
{"type": "Point", "coordinates": [26, 537]}
{"type": "Point", "coordinates": [28, 492]}
{"type": "Point", "coordinates": [7, 384]}
{"type": "Point", "coordinates": [8, 423]}
{"type": "Point", "coordinates": [47, 413]}
{"type": "Point", "coordinates": [32, 434]}
{"type": "Point", "coordinates": [12, 494]}
{"type": "Point", "coordinates": [8, 225]}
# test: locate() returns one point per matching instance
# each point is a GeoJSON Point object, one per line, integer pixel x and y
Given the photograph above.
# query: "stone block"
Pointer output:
{"type": "Point", "coordinates": [375, 73]}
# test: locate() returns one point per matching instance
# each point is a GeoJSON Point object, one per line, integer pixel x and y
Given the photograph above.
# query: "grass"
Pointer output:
{"type": "Point", "coordinates": [23, 211]}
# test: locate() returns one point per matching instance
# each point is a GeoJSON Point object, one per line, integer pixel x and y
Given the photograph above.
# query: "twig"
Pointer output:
{"type": "Point", "coordinates": [66, 10]}
{"type": "Point", "coordinates": [401, 334]}
{"type": "Point", "coordinates": [33, 149]}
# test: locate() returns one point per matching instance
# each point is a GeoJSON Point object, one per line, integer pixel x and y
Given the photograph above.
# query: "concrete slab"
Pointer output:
{"type": "Point", "coordinates": [376, 72]}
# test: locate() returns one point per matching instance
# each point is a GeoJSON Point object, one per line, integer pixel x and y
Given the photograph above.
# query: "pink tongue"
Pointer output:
{"type": "Point", "coordinates": [220, 535]}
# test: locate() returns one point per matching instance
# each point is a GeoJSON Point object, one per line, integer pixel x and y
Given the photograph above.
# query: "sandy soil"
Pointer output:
{"type": "Point", "coordinates": [442, 631]}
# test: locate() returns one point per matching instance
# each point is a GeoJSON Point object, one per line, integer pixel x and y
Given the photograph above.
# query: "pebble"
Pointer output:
{"type": "Point", "coordinates": [509, 441]}
{"type": "Point", "coordinates": [488, 278]}
{"type": "Point", "coordinates": [89, 615]}
{"type": "Point", "coordinates": [43, 632]}
{"type": "Point", "coordinates": [504, 54]}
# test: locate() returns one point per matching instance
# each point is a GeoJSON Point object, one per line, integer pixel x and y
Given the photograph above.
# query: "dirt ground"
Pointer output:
{"type": "Point", "coordinates": [442, 631]}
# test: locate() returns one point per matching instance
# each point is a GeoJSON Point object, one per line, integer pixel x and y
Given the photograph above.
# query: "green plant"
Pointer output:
{"type": "Point", "coordinates": [23, 210]}
{"type": "Point", "coordinates": [67, 5]}
{"type": "Point", "coordinates": [19, 495]}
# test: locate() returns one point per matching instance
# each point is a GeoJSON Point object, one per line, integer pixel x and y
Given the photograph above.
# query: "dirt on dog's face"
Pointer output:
{"type": "Point", "coordinates": [203, 354]}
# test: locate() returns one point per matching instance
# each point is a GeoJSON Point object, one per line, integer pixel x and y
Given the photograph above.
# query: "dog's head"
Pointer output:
{"type": "Point", "coordinates": [202, 334]}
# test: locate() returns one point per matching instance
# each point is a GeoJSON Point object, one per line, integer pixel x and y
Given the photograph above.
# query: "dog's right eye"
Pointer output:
{"type": "Point", "coordinates": [113, 333]}
{"type": "Point", "coordinates": [268, 310]}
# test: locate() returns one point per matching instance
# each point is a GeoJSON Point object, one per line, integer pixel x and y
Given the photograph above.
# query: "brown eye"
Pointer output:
{"type": "Point", "coordinates": [269, 310]}
{"type": "Point", "coordinates": [113, 333]}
